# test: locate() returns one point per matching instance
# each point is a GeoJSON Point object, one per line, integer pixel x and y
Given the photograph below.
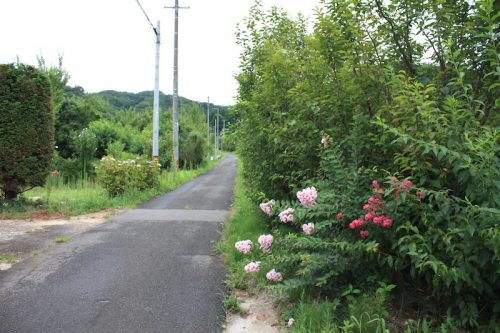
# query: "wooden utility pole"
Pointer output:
{"type": "Point", "coordinates": [175, 103]}
{"type": "Point", "coordinates": [208, 122]}
{"type": "Point", "coordinates": [156, 98]}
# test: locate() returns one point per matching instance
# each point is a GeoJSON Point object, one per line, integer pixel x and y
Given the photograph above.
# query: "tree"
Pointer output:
{"type": "Point", "coordinates": [26, 128]}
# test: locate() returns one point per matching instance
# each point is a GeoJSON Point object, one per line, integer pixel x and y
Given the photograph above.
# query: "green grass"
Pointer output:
{"type": "Point", "coordinates": [60, 240]}
{"type": "Point", "coordinates": [247, 222]}
{"type": "Point", "coordinates": [86, 196]}
{"type": "Point", "coordinates": [7, 258]}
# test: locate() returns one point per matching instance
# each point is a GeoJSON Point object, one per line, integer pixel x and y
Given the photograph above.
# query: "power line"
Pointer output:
{"type": "Point", "coordinates": [147, 17]}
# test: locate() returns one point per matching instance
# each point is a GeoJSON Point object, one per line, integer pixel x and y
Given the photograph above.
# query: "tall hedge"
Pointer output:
{"type": "Point", "coordinates": [26, 128]}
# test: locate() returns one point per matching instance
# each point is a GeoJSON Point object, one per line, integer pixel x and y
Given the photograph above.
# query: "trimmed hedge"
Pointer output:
{"type": "Point", "coordinates": [26, 128]}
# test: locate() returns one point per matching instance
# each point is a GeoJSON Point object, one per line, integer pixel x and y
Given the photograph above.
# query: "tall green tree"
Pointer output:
{"type": "Point", "coordinates": [26, 128]}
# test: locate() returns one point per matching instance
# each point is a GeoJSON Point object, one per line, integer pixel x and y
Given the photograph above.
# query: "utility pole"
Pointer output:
{"type": "Point", "coordinates": [208, 122]}
{"type": "Point", "coordinates": [156, 98]}
{"type": "Point", "coordinates": [215, 138]}
{"type": "Point", "coordinates": [175, 103]}
{"type": "Point", "coordinates": [218, 132]}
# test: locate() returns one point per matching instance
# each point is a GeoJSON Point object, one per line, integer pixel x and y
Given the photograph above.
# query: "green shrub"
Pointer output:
{"type": "Point", "coordinates": [119, 176]}
{"type": "Point", "coordinates": [26, 128]}
{"type": "Point", "coordinates": [193, 150]}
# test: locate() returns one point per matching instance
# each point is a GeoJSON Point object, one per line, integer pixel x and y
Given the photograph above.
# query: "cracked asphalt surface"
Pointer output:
{"type": "Point", "coordinates": [150, 269]}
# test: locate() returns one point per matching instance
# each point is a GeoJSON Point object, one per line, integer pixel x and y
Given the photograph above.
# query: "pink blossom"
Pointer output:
{"type": "Point", "coordinates": [387, 222]}
{"type": "Point", "coordinates": [340, 216]}
{"type": "Point", "coordinates": [406, 184]}
{"type": "Point", "coordinates": [363, 233]}
{"type": "Point", "coordinates": [267, 207]}
{"type": "Point", "coordinates": [272, 275]}
{"type": "Point", "coordinates": [394, 180]}
{"type": "Point", "coordinates": [367, 207]}
{"type": "Point", "coordinates": [290, 322]}
{"type": "Point", "coordinates": [265, 242]}
{"type": "Point", "coordinates": [369, 216]}
{"type": "Point", "coordinates": [252, 267]}
{"type": "Point", "coordinates": [356, 224]}
{"type": "Point", "coordinates": [307, 196]}
{"type": "Point", "coordinates": [375, 184]}
{"type": "Point", "coordinates": [420, 196]}
{"type": "Point", "coordinates": [308, 228]}
{"type": "Point", "coordinates": [378, 220]}
{"type": "Point", "coordinates": [286, 215]}
{"type": "Point", "coordinates": [244, 246]}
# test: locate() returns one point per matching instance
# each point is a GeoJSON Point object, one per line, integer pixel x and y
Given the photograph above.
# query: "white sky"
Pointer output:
{"type": "Point", "coordinates": [109, 45]}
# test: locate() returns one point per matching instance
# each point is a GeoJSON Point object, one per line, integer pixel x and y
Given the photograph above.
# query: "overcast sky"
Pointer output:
{"type": "Point", "coordinates": [109, 45]}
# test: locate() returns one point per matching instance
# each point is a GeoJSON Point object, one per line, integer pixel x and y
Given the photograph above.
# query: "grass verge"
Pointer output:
{"type": "Point", "coordinates": [7, 258]}
{"type": "Point", "coordinates": [247, 222]}
{"type": "Point", "coordinates": [87, 197]}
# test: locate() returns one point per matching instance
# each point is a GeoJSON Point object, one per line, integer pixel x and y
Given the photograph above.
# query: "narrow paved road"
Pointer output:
{"type": "Point", "coordinates": [151, 269]}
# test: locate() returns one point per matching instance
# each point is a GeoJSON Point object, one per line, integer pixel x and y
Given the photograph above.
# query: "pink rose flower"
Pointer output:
{"type": "Point", "coordinates": [307, 196]}
{"type": "Point", "coordinates": [265, 242]}
{"type": "Point", "coordinates": [286, 215]}
{"type": "Point", "coordinates": [274, 276]}
{"type": "Point", "coordinates": [308, 228]}
{"type": "Point", "coordinates": [244, 246]}
{"type": "Point", "coordinates": [252, 267]}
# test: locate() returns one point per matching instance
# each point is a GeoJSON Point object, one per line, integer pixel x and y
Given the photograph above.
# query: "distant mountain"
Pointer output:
{"type": "Point", "coordinates": [143, 100]}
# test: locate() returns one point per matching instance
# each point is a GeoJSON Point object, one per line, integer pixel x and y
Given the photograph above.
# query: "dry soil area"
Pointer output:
{"type": "Point", "coordinates": [21, 239]}
{"type": "Point", "coordinates": [260, 315]}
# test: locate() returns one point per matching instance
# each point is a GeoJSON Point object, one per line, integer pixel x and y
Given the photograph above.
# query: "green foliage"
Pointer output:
{"type": "Point", "coordinates": [193, 150]}
{"type": "Point", "coordinates": [245, 223]}
{"type": "Point", "coordinates": [26, 128]}
{"type": "Point", "coordinates": [86, 145]}
{"type": "Point", "coordinates": [119, 176]}
{"type": "Point", "coordinates": [395, 90]}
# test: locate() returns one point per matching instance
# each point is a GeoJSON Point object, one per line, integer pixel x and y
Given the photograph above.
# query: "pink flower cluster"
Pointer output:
{"type": "Point", "coordinates": [405, 185]}
{"type": "Point", "coordinates": [356, 224]}
{"type": "Point", "coordinates": [252, 267]}
{"type": "Point", "coordinates": [286, 215]}
{"type": "Point", "coordinates": [308, 228]}
{"type": "Point", "coordinates": [272, 275]}
{"type": "Point", "coordinates": [374, 209]}
{"type": "Point", "coordinates": [307, 196]}
{"type": "Point", "coordinates": [244, 246]}
{"type": "Point", "coordinates": [267, 207]}
{"type": "Point", "coordinates": [265, 242]}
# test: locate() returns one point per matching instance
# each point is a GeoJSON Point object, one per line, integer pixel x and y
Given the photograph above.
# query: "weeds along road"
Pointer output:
{"type": "Point", "coordinates": [150, 269]}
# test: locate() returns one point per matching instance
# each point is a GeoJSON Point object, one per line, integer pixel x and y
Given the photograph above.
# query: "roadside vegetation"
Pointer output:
{"type": "Point", "coordinates": [60, 199]}
{"type": "Point", "coordinates": [371, 145]}
{"type": "Point", "coordinates": [92, 151]}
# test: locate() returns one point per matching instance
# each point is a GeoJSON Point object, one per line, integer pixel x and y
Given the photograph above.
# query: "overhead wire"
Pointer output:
{"type": "Point", "coordinates": [147, 17]}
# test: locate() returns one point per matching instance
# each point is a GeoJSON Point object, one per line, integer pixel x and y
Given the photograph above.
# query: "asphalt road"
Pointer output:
{"type": "Point", "coordinates": [150, 269]}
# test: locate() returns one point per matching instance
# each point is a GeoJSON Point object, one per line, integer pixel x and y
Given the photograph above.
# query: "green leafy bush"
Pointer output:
{"type": "Point", "coordinates": [120, 176]}
{"type": "Point", "coordinates": [26, 128]}
{"type": "Point", "coordinates": [193, 150]}
{"type": "Point", "coordinates": [425, 127]}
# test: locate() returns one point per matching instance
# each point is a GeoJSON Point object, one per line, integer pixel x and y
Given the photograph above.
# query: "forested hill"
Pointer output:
{"type": "Point", "coordinates": [144, 100]}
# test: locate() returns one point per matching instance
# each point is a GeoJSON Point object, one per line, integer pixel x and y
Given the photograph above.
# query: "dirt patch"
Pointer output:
{"type": "Point", "coordinates": [260, 315]}
{"type": "Point", "coordinates": [24, 238]}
